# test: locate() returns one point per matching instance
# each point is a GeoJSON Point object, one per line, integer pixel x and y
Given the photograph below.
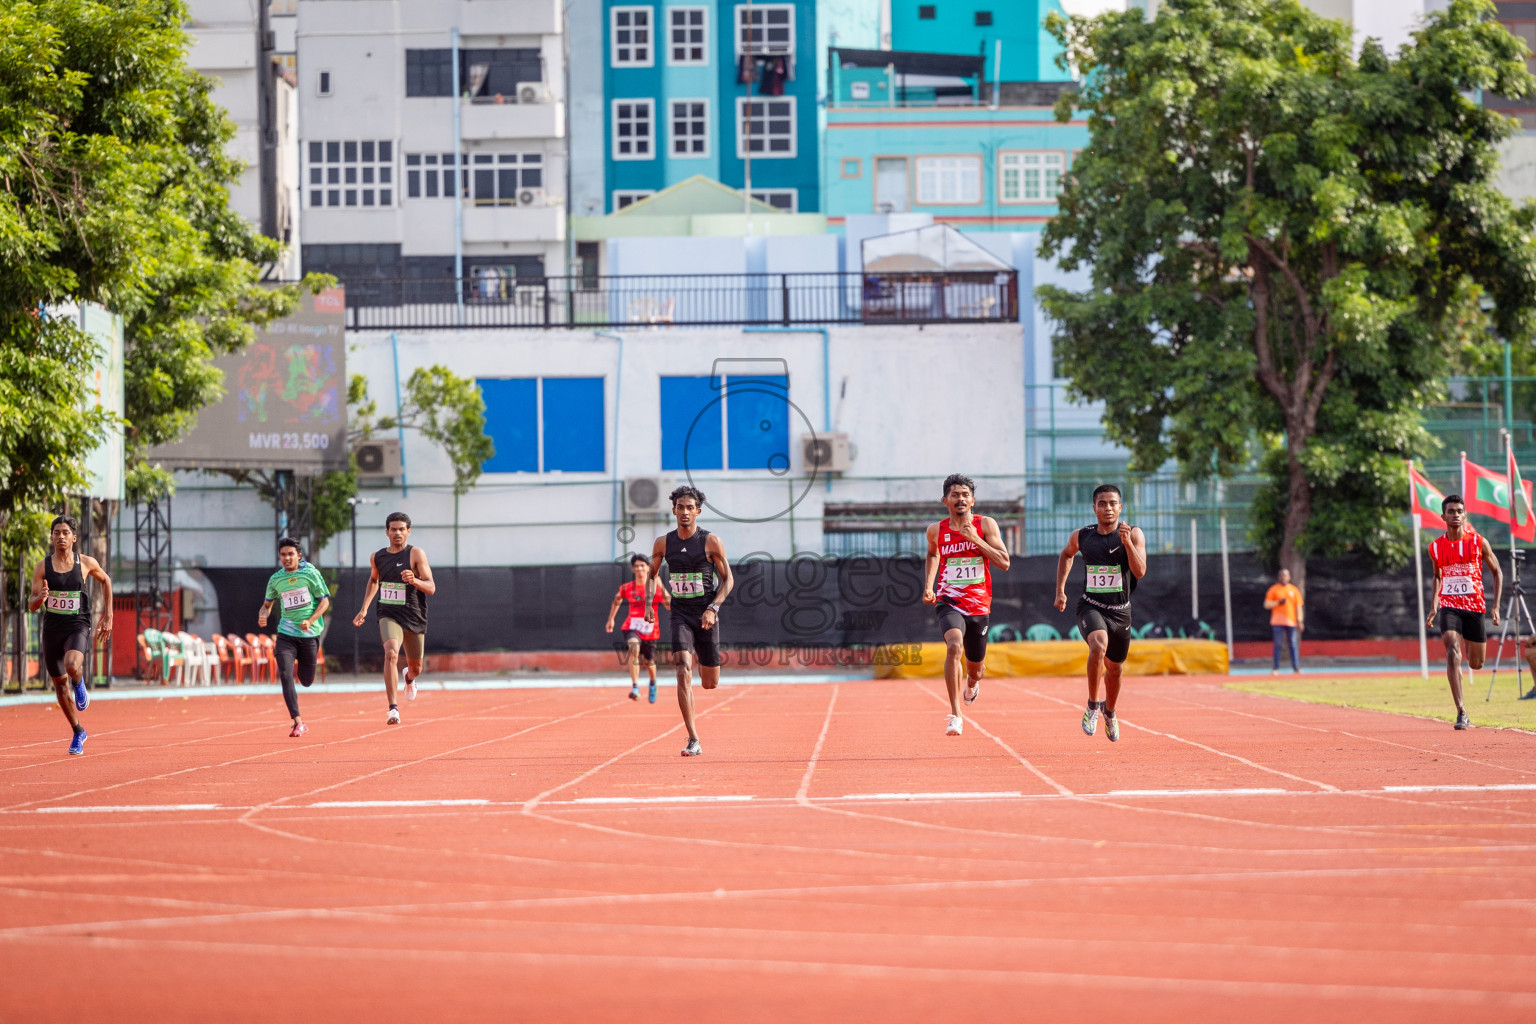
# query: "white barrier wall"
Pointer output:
{"type": "Point", "coordinates": [918, 402]}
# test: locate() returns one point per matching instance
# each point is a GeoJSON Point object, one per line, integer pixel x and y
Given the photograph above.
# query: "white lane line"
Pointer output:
{"type": "Point", "coordinates": [400, 803]}
{"type": "Point", "coordinates": [977, 795]}
{"type": "Point", "coordinates": [1058, 787]}
{"type": "Point", "coordinates": [1517, 786]}
{"type": "Point", "coordinates": [821, 739]}
{"type": "Point", "coordinates": [654, 799]}
{"type": "Point", "coordinates": [115, 808]}
{"type": "Point", "coordinates": [1194, 792]}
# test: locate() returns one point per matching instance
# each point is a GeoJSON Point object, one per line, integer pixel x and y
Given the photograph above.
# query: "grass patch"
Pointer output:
{"type": "Point", "coordinates": [1406, 695]}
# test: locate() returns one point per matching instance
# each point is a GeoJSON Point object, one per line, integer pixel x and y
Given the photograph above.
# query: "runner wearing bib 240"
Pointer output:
{"type": "Point", "coordinates": [1457, 604]}
{"type": "Point", "coordinates": [958, 579]}
{"type": "Point", "coordinates": [403, 580]}
{"type": "Point", "coordinates": [640, 633]}
{"type": "Point", "coordinates": [1114, 557]}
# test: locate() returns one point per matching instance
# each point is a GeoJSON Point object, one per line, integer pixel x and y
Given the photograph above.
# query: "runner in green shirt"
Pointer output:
{"type": "Point", "coordinates": [302, 598]}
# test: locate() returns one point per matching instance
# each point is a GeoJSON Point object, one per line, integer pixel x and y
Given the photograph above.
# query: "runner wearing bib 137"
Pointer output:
{"type": "Point", "coordinates": [1457, 604]}
{"type": "Point", "coordinates": [958, 581]}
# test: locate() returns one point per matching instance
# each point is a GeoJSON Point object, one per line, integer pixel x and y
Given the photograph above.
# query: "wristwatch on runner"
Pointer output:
{"type": "Point", "coordinates": [715, 608]}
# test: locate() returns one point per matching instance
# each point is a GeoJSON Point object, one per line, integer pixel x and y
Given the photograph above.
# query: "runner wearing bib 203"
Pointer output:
{"type": "Point", "coordinates": [59, 590]}
{"type": "Point", "coordinates": [1457, 602]}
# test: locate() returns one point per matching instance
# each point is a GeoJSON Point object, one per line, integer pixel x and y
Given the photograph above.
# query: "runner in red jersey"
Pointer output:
{"type": "Point", "coordinates": [639, 633]}
{"type": "Point", "coordinates": [1457, 602]}
{"type": "Point", "coordinates": [961, 552]}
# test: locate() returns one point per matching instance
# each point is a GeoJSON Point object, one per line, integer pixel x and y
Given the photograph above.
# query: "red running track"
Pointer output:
{"type": "Point", "coordinates": [1233, 857]}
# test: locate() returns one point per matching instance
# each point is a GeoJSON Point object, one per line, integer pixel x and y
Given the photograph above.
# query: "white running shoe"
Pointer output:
{"type": "Point", "coordinates": [410, 689]}
{"type": "Point", "coordinates": [1111, 726]}
{"type": "Point", "coordinates": [693, 749]}
{"type": "Point", "coordinates": [1091, 721]}
{"type": "Point", "coordinates": [972, 691]}
{"type": "Point", "coordinates": [393, 718]}
{"type": "Point", "coordinates": [954, 727]}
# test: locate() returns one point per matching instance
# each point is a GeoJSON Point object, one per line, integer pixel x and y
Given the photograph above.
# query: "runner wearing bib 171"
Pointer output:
{"type": "Point", "coordinates": [301, 597]}
{"type": "Point", "coordinates": [58, 588]}
{"type": "Point", "coordinates": [700, 581]}
{"type": "Point", "coordinates": [1457, 604]}
{"type": "Point", "coordinates": [958, 580]}
{"type": "Point", "coordinates": [640, 633]}
{"type": "Point", "coordinates": [403, 580]}
{"type": "Point", "coordinates": [1114, 558]}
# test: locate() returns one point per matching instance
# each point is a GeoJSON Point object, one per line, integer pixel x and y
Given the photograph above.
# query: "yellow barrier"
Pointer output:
{"type": "Point", "coordinates": [1070, 658]}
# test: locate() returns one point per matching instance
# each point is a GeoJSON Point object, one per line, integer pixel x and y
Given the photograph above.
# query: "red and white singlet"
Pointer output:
{"type": "Point", "coordinates": [634, 621]}
{"type": "Point", "coordinates": [965, 578]}
{"type": "Point", "coordinates": [1461, 570]}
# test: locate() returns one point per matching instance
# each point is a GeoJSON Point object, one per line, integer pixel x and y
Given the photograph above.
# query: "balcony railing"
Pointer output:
{"type": "Point", "coordinates": [491, 298]}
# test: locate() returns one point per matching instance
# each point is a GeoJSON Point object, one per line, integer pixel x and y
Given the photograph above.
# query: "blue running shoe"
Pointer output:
{"type": "Point", "coordinates": [82, 698]}
{"type": "Point", "coordinates": [653, 691]}
{"type": "Point", "coordinates": [77, 745]}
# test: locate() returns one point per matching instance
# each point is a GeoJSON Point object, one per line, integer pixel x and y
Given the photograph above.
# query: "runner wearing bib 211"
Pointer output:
{"type": "Point", "coordinates": [1457, 603]}
{"type": "Point", "coordinates": [957, 580]}
{"type": "Point", "coordinates": [1115, 557]}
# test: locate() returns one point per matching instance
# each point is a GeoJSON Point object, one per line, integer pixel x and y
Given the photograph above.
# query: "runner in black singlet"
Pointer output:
{"type": "Point", "coordinates": [1115, 557]}
{"type": "Point", "coordinates": [700, 580]}
{"type": "Point", "coordinates": [59, 589]}
{"type": "Point", "coordinates": [403, 580]}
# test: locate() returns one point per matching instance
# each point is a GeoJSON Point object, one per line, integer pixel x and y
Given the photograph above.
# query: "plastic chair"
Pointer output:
{"type": "Point", "coordinates": [269, 651]}
{"type": "Point", "coordinates": [240, 658]}
{"type": "Point", "coordinates": [1041, 632]}
{"type": "Point", "coordinates": [263, 665]}
{"type": "Point", "coordinates": [150, 657]}
{"type": "Point", "coordinates": [171, 662]}
{"type": "Point", "coordinates": [220, 648]}
{"type": "Point", "coordinates": [202, 661]}
{"type": "Point", "coordinates": [1076, 634]}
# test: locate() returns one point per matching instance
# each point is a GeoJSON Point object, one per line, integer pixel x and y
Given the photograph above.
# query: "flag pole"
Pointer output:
{"type": "Point", "coordinates": [1511, 471]}
{"type": "Point", "coordinates": [1418, 573]}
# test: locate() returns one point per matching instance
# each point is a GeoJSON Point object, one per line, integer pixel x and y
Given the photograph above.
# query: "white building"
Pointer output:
{"type": "Point", "coordinates": [382, 119]}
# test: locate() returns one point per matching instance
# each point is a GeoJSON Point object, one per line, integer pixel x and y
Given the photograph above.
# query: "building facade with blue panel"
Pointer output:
{"type": "Point", "coordinates": [711, 88]}
{"type": "Point", "coordinates": [977, 26]}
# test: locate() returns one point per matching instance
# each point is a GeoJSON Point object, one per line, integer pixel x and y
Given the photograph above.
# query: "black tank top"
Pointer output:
{"type": "Point", "coordinates": [69, 603]}
{"type": "Point", "coordinates": [399, 600]}
{"type": "Point", "coordinates": [1108, 581]}
{"type": "Point", "coordinates": [691, 574]}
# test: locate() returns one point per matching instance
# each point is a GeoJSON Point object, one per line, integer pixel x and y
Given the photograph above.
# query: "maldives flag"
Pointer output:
{"type": "Point", "coordinates": [1488, 492]}
{"type": "Point", "coordinates": [1424, 500]}
{"type": "Point", "coordinates": [1524, 525]}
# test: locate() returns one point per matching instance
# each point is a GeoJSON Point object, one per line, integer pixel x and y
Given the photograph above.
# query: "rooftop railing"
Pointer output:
{"type": "Point", "coordinates": [487, 297]}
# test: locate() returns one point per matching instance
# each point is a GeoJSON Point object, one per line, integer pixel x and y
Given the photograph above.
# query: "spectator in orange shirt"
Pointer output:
{"type": "Point", "coordinates": [1286, 620]}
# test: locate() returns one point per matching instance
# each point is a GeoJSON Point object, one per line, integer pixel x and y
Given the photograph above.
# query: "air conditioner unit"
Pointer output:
{"type": "Point", "coordinates": [648, 496]}
{"type": "Point", "coordinates": [826, 453]}
{"type": "Point", "coordinates": [378, 460]}
{"type": "Point", "coordinates": [532, 197]}
{"type": "Point", "coordinates": [533, 92]}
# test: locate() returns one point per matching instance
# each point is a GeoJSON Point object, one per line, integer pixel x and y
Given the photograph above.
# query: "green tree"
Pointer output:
{"type": "Point", "coordinates": [1286, 243]}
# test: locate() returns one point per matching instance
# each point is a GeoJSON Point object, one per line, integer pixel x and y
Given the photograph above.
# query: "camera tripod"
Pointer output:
{"type": "Point", "coordinates": [1516, 600]}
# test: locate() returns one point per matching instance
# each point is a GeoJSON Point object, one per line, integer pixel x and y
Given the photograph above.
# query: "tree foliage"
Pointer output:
{"type": "Point", "coordinates": [1287, 243]}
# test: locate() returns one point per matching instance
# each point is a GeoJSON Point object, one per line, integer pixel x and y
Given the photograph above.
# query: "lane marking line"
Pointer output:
{"type": "Point", "coordinates": [1058, 787]}
{"type": "Point", "coordinates": [821, 739]}
{"type": "Point", "coordinates": [650, 800]}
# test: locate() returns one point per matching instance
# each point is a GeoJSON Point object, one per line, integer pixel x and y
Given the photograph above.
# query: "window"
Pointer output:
{"type": "Point", "coordinates": [430, 175]}
{"type": "Point", "coordinates": [949, 179]}
{"type": "Point", "coordinates": [631, 37]}
{"type": "Point", "coordinates": [983, 19]}
{"type": "Point", "coordinates": [720, 423]}
{"type": "Point", "coordinates": [629, 197]}
{"type": "Point", "coordinates": [323, 83]}
{"type": "Point", "coordinates": [926, 12]}
{"type": "Point", "coordinates": [588, 263]}
{"type": "Point", "coordinates": [429, 72]}
{"type": "Point", "coordinates": [687, 39]}
{"type": "Point", "coordinates": [496, 177]}
{"type": "Point", "coordinates": [352, 173]}
{"type": "Point", "coordinates": [765, 128]}
{"type": "Point", "coordinates": [690, 128]}
{"type": "Point", "coordinates": [1024, 177]}
{"type": "Point", "coordinates": [765, 28]}
{"type": "Point", "coordinates": [494, 75]}
{"type": "Point", "coordinates": [544, 425]}
{"type": "Point", "coordinates": [853, 167]}
{"type": "Point", "coordinates": [633, 130]}
{"type": "Point", "coordinates": [786, 199]}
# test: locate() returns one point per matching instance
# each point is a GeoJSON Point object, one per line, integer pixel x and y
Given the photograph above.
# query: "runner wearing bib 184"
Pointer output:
{"type": "Point", "coordinates": [958, 581]}
{"type": "Point", "coordinates": [640, 633]}
{"type": "Point", "coordinates": [1457, 604]}
{"type": "Point", "coordinates": [403, 580]}
{"type": "Point", "coordinates": [1115, 557]}
{"type": "Point", "coordinates": [301, 597]}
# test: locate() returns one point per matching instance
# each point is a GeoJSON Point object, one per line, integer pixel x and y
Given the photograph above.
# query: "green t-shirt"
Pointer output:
{"type": "Point", "coordinates": [296, 594]}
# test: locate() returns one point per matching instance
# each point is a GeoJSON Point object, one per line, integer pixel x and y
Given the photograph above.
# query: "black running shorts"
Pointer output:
{"type": "Point", "coordinates": [689, 634]}
{"type": "Point", "coordinates": [973, 626]}
{"type": "Point", "coordinates": [1468, 624]}
{"type": "Point", "coordinates": [1114, 621]}
{"type": "Point", "coordinates": [73, 637]}
{"type": "Point", "coordinates": [647, 645]}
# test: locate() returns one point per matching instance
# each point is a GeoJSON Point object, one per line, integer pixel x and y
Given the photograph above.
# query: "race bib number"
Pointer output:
{"type": "Point", "coordinates": [637, 624]}
{"type": "Point", "coordinates": [391, 593]}
{"type": "Point", "coordinates": [965, 572]}
{"type": "Point", "coordinates": [63, 602]}
{"type": "Point", "coordinates": [1105, 579]}
{"type": "Point", "coordinates": [685, 584]}
{"type": "Point", "coordinates": [1456, 586]}
{"type": "Point", "coordinates": [298, 598]}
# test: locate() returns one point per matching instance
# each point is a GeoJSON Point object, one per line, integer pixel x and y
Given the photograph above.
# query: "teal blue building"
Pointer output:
{"type": "Point", "coordinates": [976, 27]}
{"type": "Point", "coordinates": [722, 89]}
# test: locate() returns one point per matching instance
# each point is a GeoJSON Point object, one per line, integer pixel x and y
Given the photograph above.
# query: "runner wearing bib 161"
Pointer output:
{"type": "Point", "coordinates": [1115, 557]}
{"type": "Point", "coordinates": [1457, 604]}
{"type": "Point", "coordinates": [958, 580]}
{"type": "Point", "coordinates": [640, 633]}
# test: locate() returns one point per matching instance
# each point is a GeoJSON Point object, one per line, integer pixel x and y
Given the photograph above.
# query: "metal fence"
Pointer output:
{"type": "Point", "coordinates": [490, 297]}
